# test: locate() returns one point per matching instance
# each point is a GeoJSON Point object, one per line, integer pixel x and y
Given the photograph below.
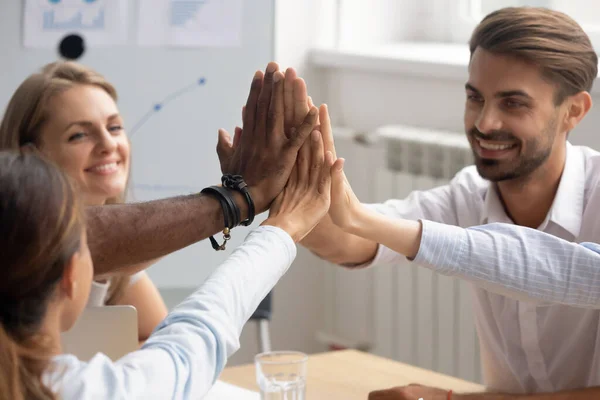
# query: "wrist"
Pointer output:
{"type": "Point", "coordinates": [260, 204]}
{"type": "Point", "coordinates": [285, 224]}
{"type": "Point", "coordinates": [242, 204]}
{"type": "Point", "coordinates": [358, 220]}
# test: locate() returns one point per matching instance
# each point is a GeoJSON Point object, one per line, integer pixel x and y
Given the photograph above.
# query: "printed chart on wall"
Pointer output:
{"type": "Point", "coordinates": [190, 23]}
{"type": "Point", "coordinates": [99, 22]}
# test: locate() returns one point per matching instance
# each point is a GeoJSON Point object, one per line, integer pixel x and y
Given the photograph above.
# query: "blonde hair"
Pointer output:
{"type": "Point", "coordinates": [27, 112]}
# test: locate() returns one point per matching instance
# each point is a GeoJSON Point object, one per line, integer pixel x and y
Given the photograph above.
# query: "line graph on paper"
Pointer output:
{"type": "Point", "coordinates": [153, 111]}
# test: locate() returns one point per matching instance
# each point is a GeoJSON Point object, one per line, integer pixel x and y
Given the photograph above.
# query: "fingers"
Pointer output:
{"type": "Point", "coordinates": [304, 160]}
{"type": "Point", "coordinates": [288, 96]}
{"type": "Point", "coordinates": [276, 117]}
{"type": "Point", "coordinates": [224, 147]}
{"type": "Point", "coordinates": [317, 158]}
{"type": "Point", "coordinates": [299, 134]}
{"type": "Point", "coordinates": [243, 113]}
{"type": "Point", "coordinates": [338, 181]}
{"type": "Point", "coordinates": [300, 101]}
{"type": "Point", "coordinates": [325, 178]}
{"type": "Point", "coordinates": [326, 129]}
{"type": "Point", "coordinates": [311, 105]}
{"type": "Point", "coordinates": [249, 111]}
{"type": "Point", "coordinates": [237, 136]}
{"type": "Point", "coordinates": [264, 103]}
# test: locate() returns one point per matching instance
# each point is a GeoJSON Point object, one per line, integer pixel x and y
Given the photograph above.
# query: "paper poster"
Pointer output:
{"type": "Point", "coordinates": [98, 22]}
{"type": "Point", "coordinates": [189, 23]}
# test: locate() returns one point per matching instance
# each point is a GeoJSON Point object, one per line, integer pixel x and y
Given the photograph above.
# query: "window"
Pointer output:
{"type": "Point", "coordinates": [470, 12]}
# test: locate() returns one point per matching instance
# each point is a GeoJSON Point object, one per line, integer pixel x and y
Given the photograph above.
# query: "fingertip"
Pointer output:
{"type": "Point", "coordinates": [313, 111]}
{"type": "Point", "coordinates": [299, 85]}
{"type": "Point", "coordinates": [223, 133]}
{"type": "Point", "coordinates": [315, 135]}
{"type": "Point", "coordinates": [272, 67]}
{"type": "Point", "coordinates": [278, 76]}
{"type": "Point", "coordinates": [257, 75]}
{"type": "Point", "coordinates": [290, 73]}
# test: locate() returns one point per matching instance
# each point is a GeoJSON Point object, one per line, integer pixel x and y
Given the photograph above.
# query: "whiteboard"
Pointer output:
{"type": "Point", "coordinates": [174, 152]}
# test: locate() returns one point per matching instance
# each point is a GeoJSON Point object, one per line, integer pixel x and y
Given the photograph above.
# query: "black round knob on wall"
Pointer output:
{"type": "Point", "coordinates": [71, 47]}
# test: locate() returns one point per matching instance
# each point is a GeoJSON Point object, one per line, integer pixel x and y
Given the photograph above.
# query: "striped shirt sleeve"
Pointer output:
{"type": "Point", "coordinates": [515, 261]}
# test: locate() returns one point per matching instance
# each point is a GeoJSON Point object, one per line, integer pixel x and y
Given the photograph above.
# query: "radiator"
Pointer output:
{"type": "Point", "coordinates": [402, 311]}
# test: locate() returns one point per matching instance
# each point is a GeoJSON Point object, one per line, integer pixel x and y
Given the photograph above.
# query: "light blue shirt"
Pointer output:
{"type": "Point", "coordinates": [189, 349]}
{"type": "Point", "coordinates": [515, 261]}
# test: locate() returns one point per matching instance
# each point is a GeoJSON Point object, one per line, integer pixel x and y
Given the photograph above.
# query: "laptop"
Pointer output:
{"type": "Point", "coordinates": [112, 330]}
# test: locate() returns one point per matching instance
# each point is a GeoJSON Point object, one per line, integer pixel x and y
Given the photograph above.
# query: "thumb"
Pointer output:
{"type": "Point", "coordinates": [224, 147]}
{"type": "Point", "coordinates": [338, 186]}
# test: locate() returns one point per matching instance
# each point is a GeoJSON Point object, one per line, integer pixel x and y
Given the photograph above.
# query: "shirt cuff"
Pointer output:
{"type": "Point", "coordinates": [441, 246]}
{"type": "Point", "coordinates": [276, 235]}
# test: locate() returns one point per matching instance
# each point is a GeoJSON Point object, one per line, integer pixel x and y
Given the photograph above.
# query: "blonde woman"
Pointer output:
{"type": "Point", "coordinates": [69, 113]}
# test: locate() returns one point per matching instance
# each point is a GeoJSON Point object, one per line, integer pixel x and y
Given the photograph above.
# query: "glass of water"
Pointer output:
{"type": "Point", "coordinates": [281, 375]}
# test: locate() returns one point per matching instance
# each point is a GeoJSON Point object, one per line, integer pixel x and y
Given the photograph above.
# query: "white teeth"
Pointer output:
{"type": "Point", "coordinates": [105, 167]}
{"type": "Point", "coordinates": [496, 147]}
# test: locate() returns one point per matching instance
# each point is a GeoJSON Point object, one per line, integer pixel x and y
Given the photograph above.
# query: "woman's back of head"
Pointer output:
{"type": "Point", "coordinates": [41, 228]}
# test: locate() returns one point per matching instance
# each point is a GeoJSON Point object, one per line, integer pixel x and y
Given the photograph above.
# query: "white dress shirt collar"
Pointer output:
{"type": "Point", "coordinates": [567, 208]}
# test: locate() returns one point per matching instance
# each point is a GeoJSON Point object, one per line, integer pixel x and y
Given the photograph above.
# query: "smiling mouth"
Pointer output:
{"type": "Point", "coordinates": [493, 150]}
{"type": "Point", "coordinates": [494, 146]}
{"type": "Point", "coordinates": [109, 167]}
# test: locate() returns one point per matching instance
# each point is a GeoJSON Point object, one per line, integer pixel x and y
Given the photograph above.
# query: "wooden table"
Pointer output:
{"type": "Point", "coordinates": [350, 374]}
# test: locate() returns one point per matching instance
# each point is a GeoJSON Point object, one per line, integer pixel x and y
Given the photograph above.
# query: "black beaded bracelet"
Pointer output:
{"type": "Point", "coordinates": [231, 213]}
{"type": "Point", "coordinates": [236, 182]}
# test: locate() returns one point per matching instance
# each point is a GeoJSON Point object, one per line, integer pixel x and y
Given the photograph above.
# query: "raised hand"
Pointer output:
{"type": "Point", "coordinates": [306, 196]}
{"type": "Point", "coordinates": [263, 153]}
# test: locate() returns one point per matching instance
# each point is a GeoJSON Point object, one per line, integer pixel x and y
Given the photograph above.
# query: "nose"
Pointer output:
{"type": "Point", "coordinates": [107, 143]}
{"type": "Point", "coordinates": [488, 120]}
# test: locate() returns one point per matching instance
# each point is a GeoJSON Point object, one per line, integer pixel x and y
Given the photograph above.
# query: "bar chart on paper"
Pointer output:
{"type": "Point", "coordinates": [99, 22]}
{"type": "Point", "coordinates": [79, 20]}
{"type": "Point", "coordinates": [186, 12]}
{"type": "Point", "coordinates": [190, 23]}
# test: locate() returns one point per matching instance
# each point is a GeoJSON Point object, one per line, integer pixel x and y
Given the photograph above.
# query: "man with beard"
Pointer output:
{"type": "Point", "coordinates": [530, 74]}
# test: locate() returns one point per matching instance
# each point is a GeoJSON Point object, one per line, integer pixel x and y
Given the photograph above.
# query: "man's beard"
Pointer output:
{"type": "Point", "coordinates": [518, 167]}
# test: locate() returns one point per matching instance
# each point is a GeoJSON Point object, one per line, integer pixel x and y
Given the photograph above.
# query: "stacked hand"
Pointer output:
{"type": "Point", "coordinates": [264, 152]}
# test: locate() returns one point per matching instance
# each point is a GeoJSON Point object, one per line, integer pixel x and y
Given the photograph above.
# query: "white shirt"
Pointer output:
{"type": "Point", "coordinates": [188, 350]}
{"type": "Point", "coordinates": [99, 290]}
{"type": "Point", "coordinates": [526, 346]}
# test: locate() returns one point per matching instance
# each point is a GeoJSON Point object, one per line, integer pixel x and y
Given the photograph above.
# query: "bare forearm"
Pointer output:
{"type": "Point", "coordinates": [331, 243]}
{"type": "Point", "coordinates": [402, 236]}
{"type": "Point", "coordinates": [579, 394]}
{"type": "Point", "coordinates": [123, 236]}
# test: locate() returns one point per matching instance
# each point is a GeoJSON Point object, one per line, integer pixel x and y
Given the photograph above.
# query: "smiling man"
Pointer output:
{"type": "Point", "coordinates": [530, 74]}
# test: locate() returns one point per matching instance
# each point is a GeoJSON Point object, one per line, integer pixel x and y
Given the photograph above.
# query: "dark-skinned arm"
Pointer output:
{"type": "Point", "coordinates": [121, 237]}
